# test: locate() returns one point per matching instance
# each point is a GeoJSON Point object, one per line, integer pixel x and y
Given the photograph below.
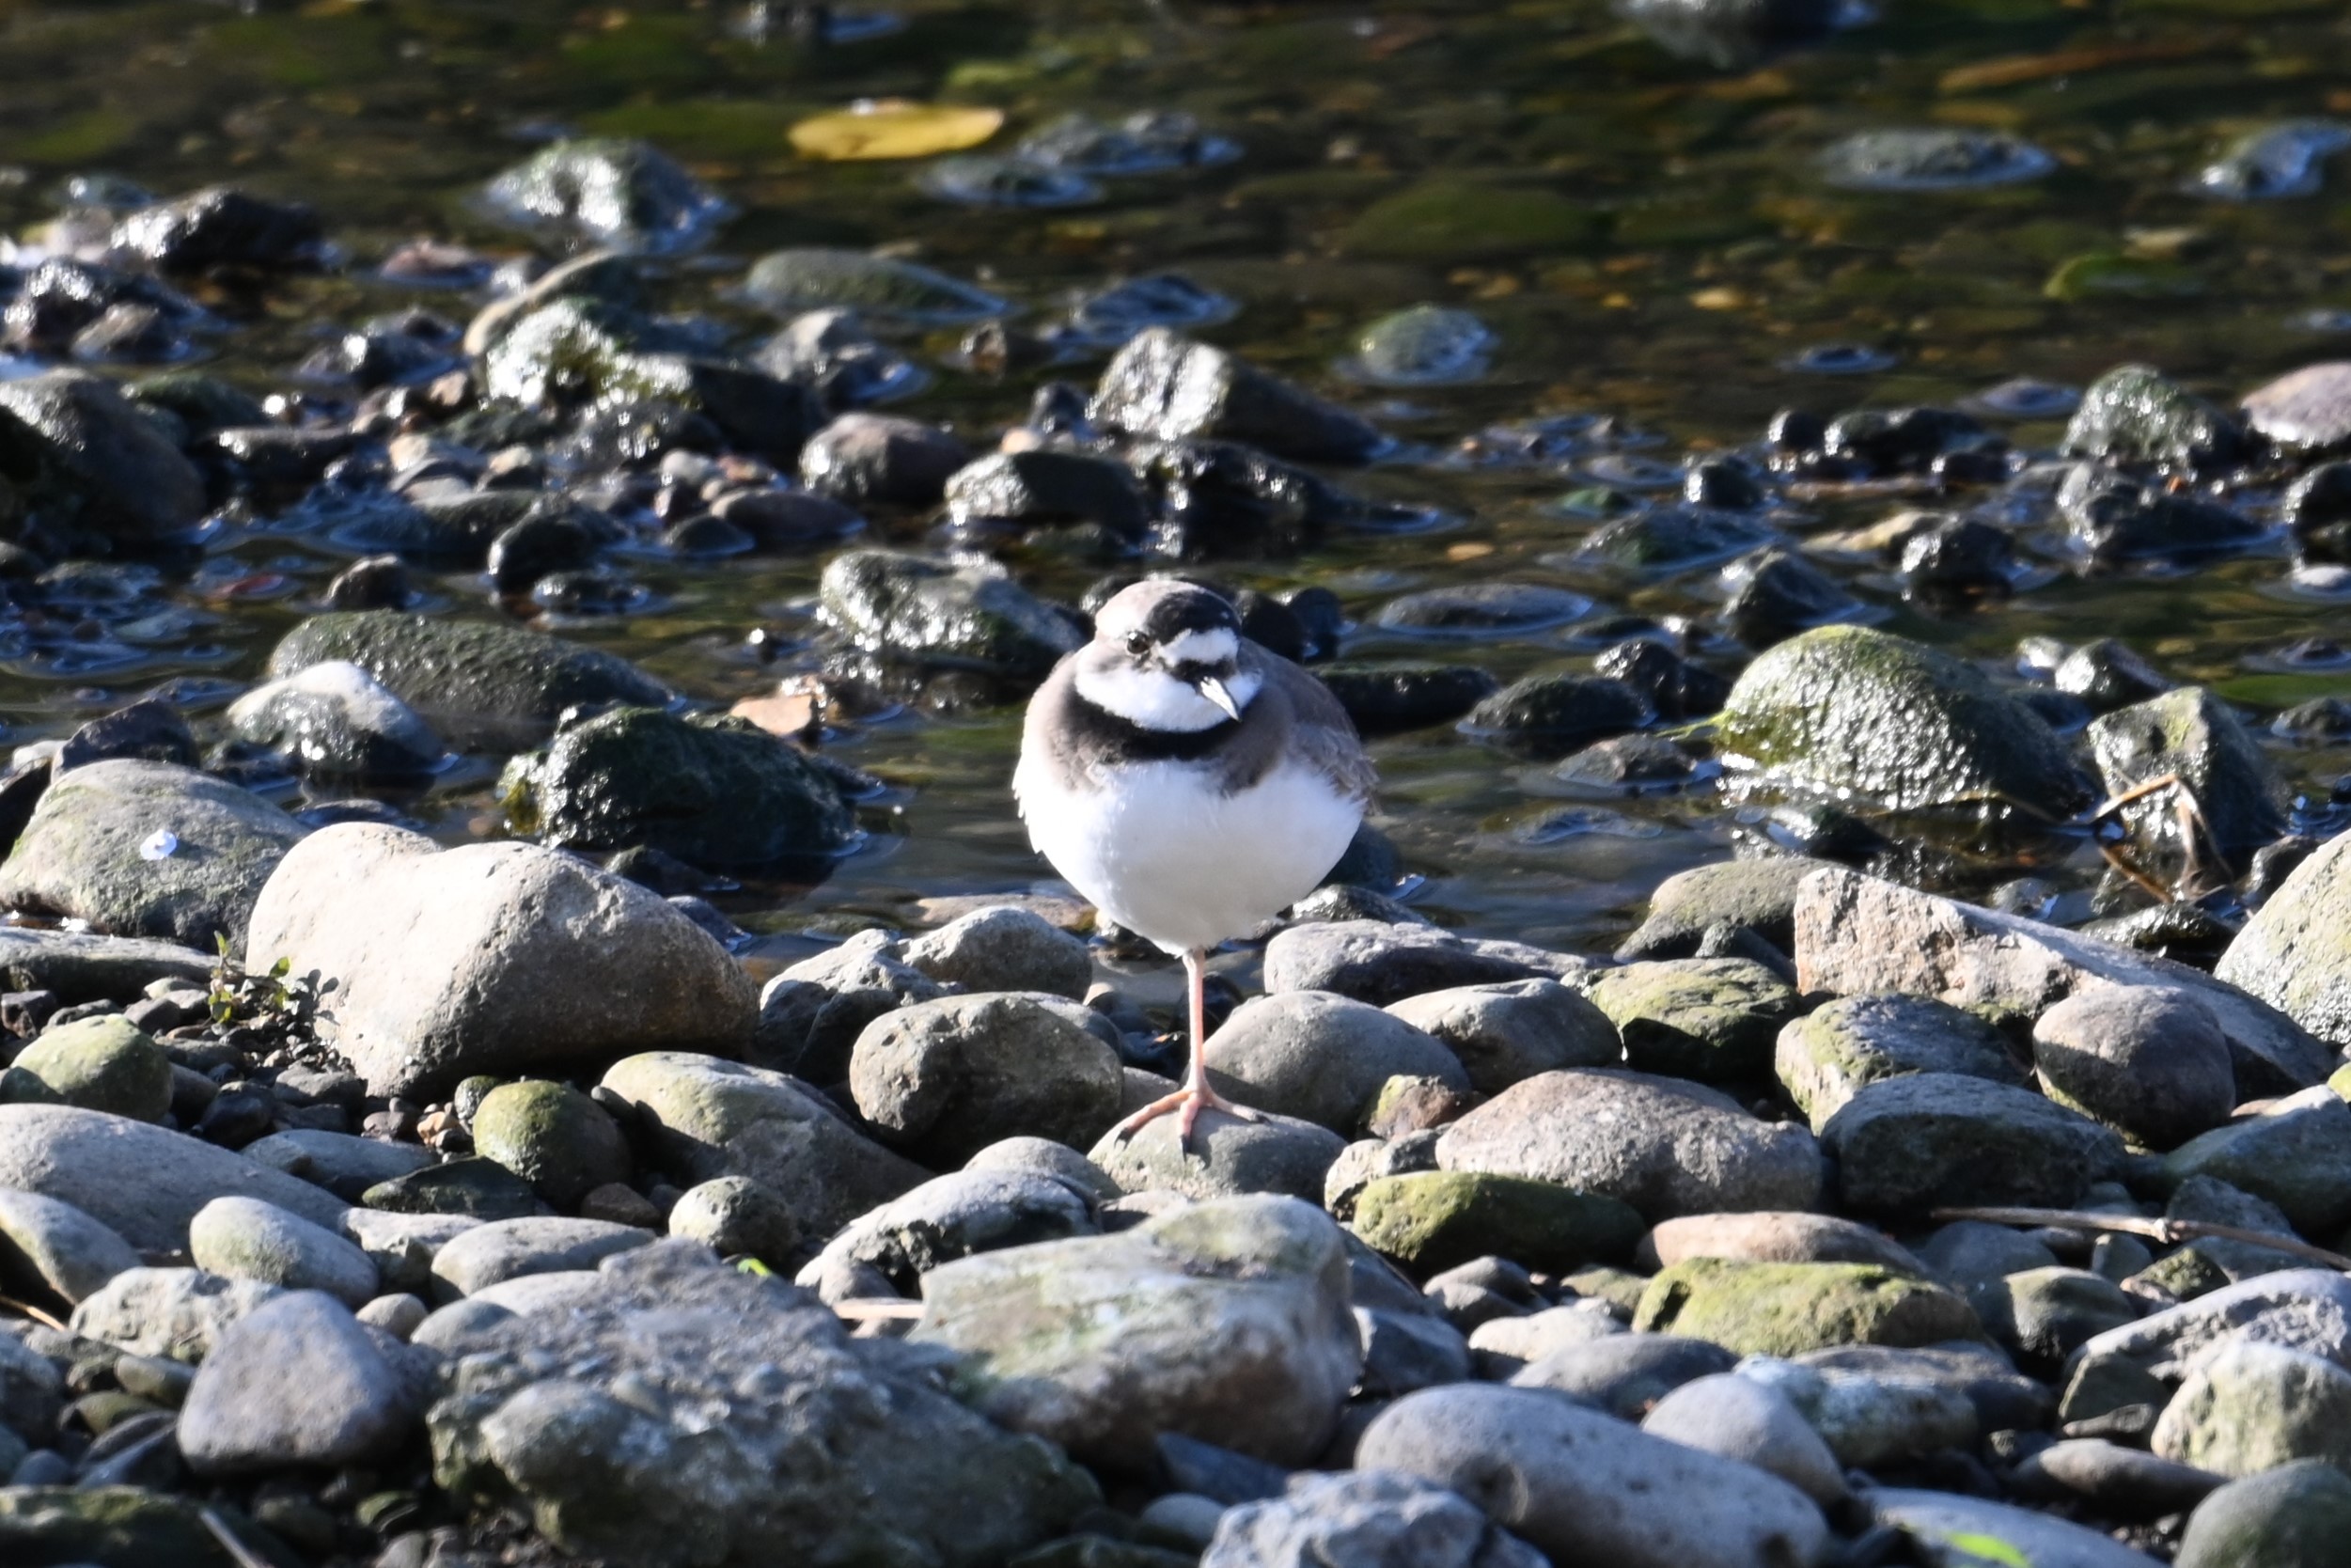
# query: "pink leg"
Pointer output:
{"type": "Point", "coordinates": [1195, 1096]}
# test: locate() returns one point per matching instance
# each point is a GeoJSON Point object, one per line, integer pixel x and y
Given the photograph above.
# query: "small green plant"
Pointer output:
{"type": "Point", "coordinates": [274, 1003]}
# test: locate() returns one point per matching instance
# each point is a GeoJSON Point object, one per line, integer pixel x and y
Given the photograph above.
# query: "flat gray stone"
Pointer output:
{"type": "Point", "coordinates": [508, 1248]}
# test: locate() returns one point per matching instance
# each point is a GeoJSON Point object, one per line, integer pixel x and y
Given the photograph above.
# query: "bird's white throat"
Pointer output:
{"type": "Point", "coordinates": [1154, 699]}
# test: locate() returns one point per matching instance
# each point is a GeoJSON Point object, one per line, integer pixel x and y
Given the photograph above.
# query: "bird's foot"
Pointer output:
{"type": "Point", "coordinates": [1185, 1104]}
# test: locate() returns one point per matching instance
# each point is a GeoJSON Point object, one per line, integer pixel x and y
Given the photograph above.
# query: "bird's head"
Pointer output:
{"type": "Point", "coordinates": [1166, 655]}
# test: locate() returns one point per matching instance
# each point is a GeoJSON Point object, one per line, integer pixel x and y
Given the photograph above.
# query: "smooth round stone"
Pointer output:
{"type": "Point", "coordinates": [245, 1238]}
{"type": "Point", "coordinates": [1482, 609]}
{"type": "Point", "coordinates": [295, 1382]}
{"type": "Point", "coordinates": [510, 1248]}
{"type": "Point", "coordinates": [2250, 1406]}
{"type": "Point", "coordinates": [1423, 346]}
{"type": "Point", "coordinates": [2297, 1516]}
{"type": "Point", "coordinates": [103, 1064]}
{"type": "Point", "coordinates": [553, 1137]}
{"type": "Point", "coordinates": [736, 1215]}
{"type": "Point", "coordinates": [1227, 1157]}
{"type": "Point", "coordinates": [47, 1245]}
{"type": "Point", "coordinates": [2147, 1060]}
{"type": "Point", "coordinates": [1939, 159]}
{"type": "Point", "coordinates": [1741, 1419]}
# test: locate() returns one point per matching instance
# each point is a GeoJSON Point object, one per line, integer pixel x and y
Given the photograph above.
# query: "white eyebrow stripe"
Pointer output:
{"type": "Point", "coordinates": [1212, 646]}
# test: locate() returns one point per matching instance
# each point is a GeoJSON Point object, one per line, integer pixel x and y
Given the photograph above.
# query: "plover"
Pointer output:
{"type": "Point", "coordinates": [1190, 783]}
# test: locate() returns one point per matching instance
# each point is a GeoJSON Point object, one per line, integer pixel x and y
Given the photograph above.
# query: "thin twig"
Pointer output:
{"type": "Point", "coordinates": [866, 1308]}
{"type": "Point", "coordinates": [2168, 1232]}
{"type": "Point", "coordinates": [245, 1556]}
{"type": "Point", "coordinates": [47, 1319]}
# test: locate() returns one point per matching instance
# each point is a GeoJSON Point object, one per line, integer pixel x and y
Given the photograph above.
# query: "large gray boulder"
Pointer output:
{"type": "Point", "coordinates": [2307, 1310]}
{"type": "Point", "coordinates": [773, 1436]}
{"type": "Point", "coordinates": [1231, 1326]}
{"type": "Point", "coordinates": [142, 1182]}
{"type": "Point", "coordinates": [148, 849]}
{"type": "Point", "coordinates": [1666, 1147]}
{"type": "Point", "coordinates": [1321, 1058]}
{"type": "Point", "coordinates": [1824, 1057]}
{"type": "Point", "coordinates": [1909, 1143]}
{"type": "Point", "coordinates": [709, 1118]}
{"type": "Point", "coordinates": [297, 1381]}
{"type": "Point", "coordinates": [940, 1080]}
{"type": "Point", "coordinates": [2294, 953]}
{"type": "Point", "coordinates": [1857, 933]}
{"type": "Point", "coordinates": [491, 958]}
{"type": "Point", "coordinates": [1585, 1487]}
{"type": "Point", "coordinates": [1512, 1029]}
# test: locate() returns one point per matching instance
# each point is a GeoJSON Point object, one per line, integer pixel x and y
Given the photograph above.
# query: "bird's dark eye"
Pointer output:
{"type": "Point", "coordinates": [1137, 644]}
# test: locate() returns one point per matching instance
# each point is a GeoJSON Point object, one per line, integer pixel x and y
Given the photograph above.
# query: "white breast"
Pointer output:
{"type": "Point", "coordinates": [1163, 851]}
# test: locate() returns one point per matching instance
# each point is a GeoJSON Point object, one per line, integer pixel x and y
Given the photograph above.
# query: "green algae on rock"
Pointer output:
{"type": "Point", "coordinates": [1433, 1220]}
{"type": "Point", "coordinates": [1788, 1308]}
{"type": "Point", "coordinates": [1863, 716]}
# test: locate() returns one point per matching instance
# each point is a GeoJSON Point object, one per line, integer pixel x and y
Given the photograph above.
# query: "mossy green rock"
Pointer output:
{"type": "Point", "coordinates": [1923, 1140]}
{"type": "Point", "coordinates": [1862, 716]}
{"type": "Point", "coordinates": [471, 677]}
{"type": "Point", "coordinates": [2297, 1154]}
{"type": "Point", "coordinates": [85, 853]}
{"type": "Point", "coordinates": [1827, 1057]}
{"type": "Point", "coordinates": [103, 1064]}
{"type": "Point", "coordinates": [1710, 1019]}
{"type": "Point", "coordinates": [928, 612]}
{"type": "Point", "coordinates": [1431, 1220]}
{"type": "Point", "coordinates": [2297, 1516]}
{"type": "Point", "coordinates": [2249, 1406]}
{"type": "Point", "coordinates": [2193, 735]}
{"type": "Point", "coordinates": [2136, 414]}
{"type": "Point", "coordinates": [819, 278]}
{"type": "Point", "coordinates": [552, 1135]}
{"type": "Point", "coordinates": [710, 789]}
{"type": "Point", "coordinates": [113, 1527]}
{"type": "Point", "coordinates": [1788, 1308]}
{"type": "Point", "coordinates": [1458, 220]}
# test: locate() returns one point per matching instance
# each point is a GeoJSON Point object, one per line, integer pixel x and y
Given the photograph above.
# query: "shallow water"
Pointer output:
{"type": "Point", "coordinates": [1647, 238]}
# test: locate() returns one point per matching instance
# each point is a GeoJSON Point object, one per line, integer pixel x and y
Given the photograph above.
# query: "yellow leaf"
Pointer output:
{"type": "Point", "coordinates": [895, 127]}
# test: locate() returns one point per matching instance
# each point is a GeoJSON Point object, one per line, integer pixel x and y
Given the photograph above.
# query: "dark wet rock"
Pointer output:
{"type": "Point", "coordinates": [468, 679]}
{"type": "Point", "coordinates": [2146, 1060]}
{"type": "Point", "coordinates": [1424, 345]}
{"type": "Point", "coordinates": [1827, 1057]}
{"type": "Point", "coordinates": [712, 1118]}
{"type": "Point", "coordinates": [956, 1216]}
{"type": "Point", "coordinates": [540, 542]}
{"type": "Point", "coordinates": [610, 191]}
{"type": "Point", "coordinates": [335, 720]}
{"type": "Point", "coordinates": [879, 459]}
{"type": "Point", "coordinates": [1944, 158]}
{"type": "Point", "coordinates": [2135, 414]}
{"type": "Point", "coordinates": [1674, 688]}
{"type": "Point", "coordinates": [1387, 700]}
{"type": "Point", "coordinates": [1321, 1058]}
{"type": "Point", "coordinates": [2317, 508]}
{"type": "Point", "coordinates": [1958, 555]}
{"type": "Point", "coordinates": [1779, 594]}
{"type": "Point", "coordinates": [1730, 33]}
{"type": "Point", "coordinates": [833, 352]}
{"type": "Point", "coordinates": [221, 226]}
{"type": "Point", "coordinates": [2113, 517]}
{"type": "Point", "coordinates": [940, 1080]}
{"type": "Point", "coordinates": [1580, 1486]}
{"type": "Point", "coordinates": [1789, 1309]}
{"type": "Point", "coordinates": [2292, 1517]}
{"type": "Point", "coordinates": [148, 849]}
{"type": "Point", "coordinates": [491, 958]}
{"type": "Point", "coordinates": [142, 1182]}
{"type": "Point", "coordinates": [1378, 963]}
{"type": "Point", "coordinates": [1667, 1147]}
{"type": "Point", "coordinates": [779, 520]}
{"type": "Point", "coordinates": [1045, 486]}
{"type": "Point", "coordinates": [1708, 1019]}
{"type": "Point", "coordinates": [710, 789]}
{"type": "Point", "coordinates": [1553, 714]}
{"type": "Point", "coordinates": [955, 617]}
{"type": "Point", "coordinates": [82, 466]}
{"type": "Point", "coordinates": [51, 1252]}
{"type": "Point", "coordinates": [1482, 609]}
{"type": "Point", "coordinates": [546, 1409]}
{"type": "Point", "coordinates": [1721, 482]}
{"type": "Point", "coordinates": [1906, 1144]}
{"type": "Point", "coordinates": [1509, 1031]}
{"type": "Point", "coordinates": [202, 403]}
{"type": "Point", "coordinates": [2107, 674]}
{"type": "Point", "coordinates": [1224, 1159]}
{"type": "Point", "coordinates": [1854, 933]}
{"type": "Point", "coordinates": [1450, 220]}
{"type": "Point", "coordinates": [794, 281]}
{"type": "Point", "coordinates": [106, 1063]}
{"type": "Point", "coordinates": [2274, 161]}
{"type": "Point", "coordinates": [992, 179]}
{"type": "Point", "coordinates": [1666, 540]}
{"type": "Point", "coordinates": [1427, 1221]}
{"type": "Point", "coordinates": [377, 583]}
{"type": "Point", "coordinates": [1170, 388]}
{"type": "Point", "coordinates": [1234, 1330]}
{"type": "Point", "coordinates": [64, 297]}
{"type": "Point", "coordinates": [1858, 714]}
{"type": "Point", "coordinates": [1219, 497]}
{"type": "Point", "coordinates": [1903, 440]}
{"type": "Point", "coordinates": [1149, 141]}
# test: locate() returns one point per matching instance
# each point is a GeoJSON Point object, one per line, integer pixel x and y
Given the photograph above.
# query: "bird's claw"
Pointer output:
{"type": "Point", "coordinates": [1185, 1104]}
